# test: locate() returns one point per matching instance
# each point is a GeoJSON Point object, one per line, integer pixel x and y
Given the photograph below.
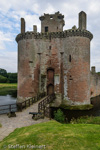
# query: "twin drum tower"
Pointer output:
{"type": "Point", "coordinates": [55, 61]}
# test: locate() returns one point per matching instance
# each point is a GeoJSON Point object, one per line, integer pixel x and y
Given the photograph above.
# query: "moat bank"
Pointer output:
{"type": "Point", "coordinates": [8, 95]}
{"type": "Point", "coordinates": [8, 88]}
{"type": "Point", "coordinates": [69, 114]}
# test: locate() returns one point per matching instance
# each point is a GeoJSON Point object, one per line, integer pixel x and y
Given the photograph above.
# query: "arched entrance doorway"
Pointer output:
{"type": "Point", "coordinates": [50, 89]}
{"type": "Point", "coordinates": [50, 81]}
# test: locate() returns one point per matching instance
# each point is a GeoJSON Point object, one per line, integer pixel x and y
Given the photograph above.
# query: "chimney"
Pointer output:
{"type": "Point", "coordinates": [22, 25]}
{"type": "Point", "coordinates": [82, 20]}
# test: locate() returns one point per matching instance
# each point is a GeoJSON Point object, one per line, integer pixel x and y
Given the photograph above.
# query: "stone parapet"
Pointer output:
{"type": "Point", "coordinates": [49, 35]}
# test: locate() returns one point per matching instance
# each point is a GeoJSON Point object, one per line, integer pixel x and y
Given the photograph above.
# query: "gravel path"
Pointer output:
{"type": "Point", "coordinates": [22, 119]}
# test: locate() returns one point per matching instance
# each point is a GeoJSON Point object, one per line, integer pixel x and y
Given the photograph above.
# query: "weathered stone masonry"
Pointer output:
{"type": "Point", "coordinates": [56, 61]}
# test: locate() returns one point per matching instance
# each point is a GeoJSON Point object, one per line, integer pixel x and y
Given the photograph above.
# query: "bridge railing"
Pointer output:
{"type": "Point", "coordinates": [42, 106]}
{"type": "Point", "coordinates": [4, 109]}
{"type": "Point", "coordinates": [29, 101]}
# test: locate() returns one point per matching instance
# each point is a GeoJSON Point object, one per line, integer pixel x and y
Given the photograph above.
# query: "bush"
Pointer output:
{"type": "Point", "coordinates": [3, 79]}
{"type": "Point", "coordinates": [59, 116]}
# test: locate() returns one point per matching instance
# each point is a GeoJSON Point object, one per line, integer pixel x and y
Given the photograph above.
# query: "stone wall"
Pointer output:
{"type": "Point", "coordinates": [52, 22]}
{"type": "Point", "coordinates": [28, 69]}
{"type": "Point", "coordinates": [36, 55]}
{"type": "Point", "coordinates": [76, 70]}
{"type": "Point", "coordinates": [94, 84]}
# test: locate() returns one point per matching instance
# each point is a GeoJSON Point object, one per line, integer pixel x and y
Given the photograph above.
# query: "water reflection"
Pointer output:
{"type": "Point", "coordinates": [7, 100]}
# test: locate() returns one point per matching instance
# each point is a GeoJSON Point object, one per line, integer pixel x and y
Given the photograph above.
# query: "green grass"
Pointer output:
{"type": "Point", "coordinates": [86, 120]}
{"type": "Point", "coordinates": [56, 136]}
{"type": "Point", "coordinates": [77, 107]}
{"type": "Point", "coordinates": [6, 88]}
{"type": "Point", "coordinates": [8, 85]}
{"type": "Point", "coordinates": [0, 125]}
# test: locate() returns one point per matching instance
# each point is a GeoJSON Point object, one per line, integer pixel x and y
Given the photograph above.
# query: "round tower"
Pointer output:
{"type": "Point", "coordinates": [28, 71]}
{"type": "Point", "coordinates": [77, 53]}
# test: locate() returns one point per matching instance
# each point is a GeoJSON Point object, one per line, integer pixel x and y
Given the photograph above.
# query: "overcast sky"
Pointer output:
{"type": "Point", "coordinates": [11, 11]}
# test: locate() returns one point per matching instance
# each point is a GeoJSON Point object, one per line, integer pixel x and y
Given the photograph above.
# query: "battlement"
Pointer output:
{"type": "Point", "coordinates": [52, 22]}
{"type": "Point", "coordinates": [63, 34]}
{"type": "Point", "coordinates": [52, 27]}
{"type": "Point", "coordinates": [57, 15]}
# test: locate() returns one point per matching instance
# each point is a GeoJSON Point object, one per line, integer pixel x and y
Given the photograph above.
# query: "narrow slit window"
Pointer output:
{"type": "Point", "coordinates": [30, 61]}
{"type": "Point", "coordinates": [70, 77]}
{"type": "Point", "coordinates": [70, 58]}
{"type": "Point", "coordinates": [50, 47]}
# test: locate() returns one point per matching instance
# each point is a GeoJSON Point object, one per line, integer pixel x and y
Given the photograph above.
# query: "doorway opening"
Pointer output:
{"type": "Point", "coordinates": [50, 81]}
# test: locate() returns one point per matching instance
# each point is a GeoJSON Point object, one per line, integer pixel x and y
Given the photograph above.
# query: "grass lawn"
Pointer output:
{"type": "Point", "coordinates": [86, 120]}
{"type": "Point", "coordinates": [0, 125]}
{"type": "Point", "coordinates": [6, 87]}
{"type": "Point", "coordinates": [56, 136]}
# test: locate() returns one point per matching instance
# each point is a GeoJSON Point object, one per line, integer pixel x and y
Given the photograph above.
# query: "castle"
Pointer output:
{"type": "Point", "coordinates": [57, 61]}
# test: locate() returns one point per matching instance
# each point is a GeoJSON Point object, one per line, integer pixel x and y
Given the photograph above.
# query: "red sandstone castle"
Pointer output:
{"type": "Point", "coordinates": [56, 61]}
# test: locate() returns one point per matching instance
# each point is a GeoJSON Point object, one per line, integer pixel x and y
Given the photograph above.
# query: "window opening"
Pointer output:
{"type": "Point", "coordinates": [70, 58]}
{"type": "Point", "coordinates": [51, 17]}
{"type": "Point", "coordinates": [49, 47]}
{"type": "Point", "coordinates": [46, 29]}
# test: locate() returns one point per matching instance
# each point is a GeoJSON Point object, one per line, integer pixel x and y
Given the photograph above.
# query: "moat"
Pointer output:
{"type": "Point", "coordinates": [10, 98]}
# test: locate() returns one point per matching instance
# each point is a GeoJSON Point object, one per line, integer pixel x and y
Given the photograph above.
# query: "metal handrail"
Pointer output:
{"type": "Point", "coordinates": [21, 105]}
{"type": "Point", "coordinates": [29, 101]}
{"type": "Point", "coordinates": [43, 104]}
{"type": "Point", "coordinates": [9, 108]}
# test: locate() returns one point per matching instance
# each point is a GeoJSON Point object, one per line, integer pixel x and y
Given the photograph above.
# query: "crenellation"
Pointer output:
{"type": "Point", "coordinates": [93, 70]}
{"type": "Point", "coordinates": [34, 28]}
{"type": "Point", "coordinates": [63, 34]}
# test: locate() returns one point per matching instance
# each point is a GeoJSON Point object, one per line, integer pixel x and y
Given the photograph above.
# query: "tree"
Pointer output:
{"type": "Point", "coordinates": [3, 72]}
{"type": "Point", "coordinates": [12, 77]}
{"type": "Point", "coordinates": [3, 79]}
{"type": "Point", "coordinates": [7, 77]}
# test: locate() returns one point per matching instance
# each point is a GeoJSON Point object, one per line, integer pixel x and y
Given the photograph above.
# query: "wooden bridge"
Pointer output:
{"type": "Point", "coordinates": [43, 105]}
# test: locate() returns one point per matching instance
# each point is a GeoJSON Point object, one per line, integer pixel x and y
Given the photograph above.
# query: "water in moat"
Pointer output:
{"type": "Point", "coordinates": [6, 100]}
{"type": "Point", "coordinates": [11, 99]}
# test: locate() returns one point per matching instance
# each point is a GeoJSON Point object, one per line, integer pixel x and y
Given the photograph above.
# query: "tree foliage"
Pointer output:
{"type": "Point", "coordinates": [3, 79]}
{"type": "Point", "coordinates": [7, 77]}
{"type": "Point", "coordinates": [12, 77]}
{"type": "Point", "coordinates": [3, 72]}
{"type": "Point", "coordinates": [98, 73]}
